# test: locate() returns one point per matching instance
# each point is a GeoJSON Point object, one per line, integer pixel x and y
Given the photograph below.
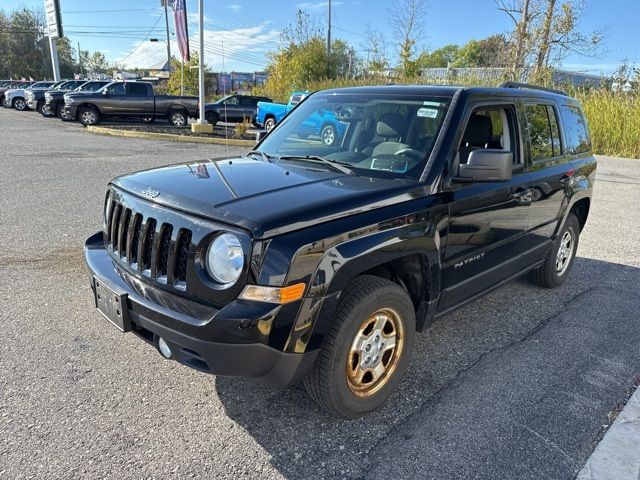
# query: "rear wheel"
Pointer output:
{"type": "Point", "coordinates": [178, 118]}
{"type": "Point", "coordinates": [367, 350]}
{"type": "Point", "coordinates": [559, 261]}
{"type": "Point", "coordinates": [19, 104]}
{"type": "Point", "coordinates": [88, 116]}
{"type": "Point", "coordinates": [211, 117]}
{"type": "Point", "coordinates": [269, 123]}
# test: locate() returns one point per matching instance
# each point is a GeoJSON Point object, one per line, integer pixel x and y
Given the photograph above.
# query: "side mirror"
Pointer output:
{"type": "Point", "coordinates": [105, 93]}
{"type": "Point", "coordinates": [486, 166]}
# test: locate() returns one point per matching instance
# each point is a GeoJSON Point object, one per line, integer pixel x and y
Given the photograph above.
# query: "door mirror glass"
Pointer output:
{"type": "Point", "coordinates": [486, 165]}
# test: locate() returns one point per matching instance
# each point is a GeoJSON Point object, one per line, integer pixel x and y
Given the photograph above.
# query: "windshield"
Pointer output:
{"type": "Point", "coordinates": [39, 85]}
{"type": "Point", "coordinates": [388, 135]}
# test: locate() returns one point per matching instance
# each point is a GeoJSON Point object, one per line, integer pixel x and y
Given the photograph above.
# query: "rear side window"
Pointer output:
{"type": "Point", "coordinates": [138, 89]}
{"type": "Point", "coordinates": [544, 135]}
{"type": "Point", "coordinates": [576, 131]}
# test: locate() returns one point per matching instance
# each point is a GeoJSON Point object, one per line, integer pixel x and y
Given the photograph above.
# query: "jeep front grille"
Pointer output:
{"type": "Point", "coordinates": [154, 249]}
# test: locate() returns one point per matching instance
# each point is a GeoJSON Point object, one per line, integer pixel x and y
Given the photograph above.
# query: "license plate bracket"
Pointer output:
{"type": "Point", "coordinates": [112, 305]}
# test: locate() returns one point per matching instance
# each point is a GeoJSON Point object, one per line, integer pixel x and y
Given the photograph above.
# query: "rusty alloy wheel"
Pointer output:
{"type": "Point", "coordinates": [375, 352]}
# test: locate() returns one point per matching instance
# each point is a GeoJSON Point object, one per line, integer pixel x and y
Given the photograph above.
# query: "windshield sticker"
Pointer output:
{"type": "Point", "coordinates": [428, 112]}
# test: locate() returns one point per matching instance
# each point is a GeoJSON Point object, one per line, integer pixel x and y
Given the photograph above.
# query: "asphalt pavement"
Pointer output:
{"type": "Point", "coordinates": [520, 384]}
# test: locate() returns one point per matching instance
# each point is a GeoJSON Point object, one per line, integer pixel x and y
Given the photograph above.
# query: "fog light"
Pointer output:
{"type": "Point", "coordinates": [164, 348]}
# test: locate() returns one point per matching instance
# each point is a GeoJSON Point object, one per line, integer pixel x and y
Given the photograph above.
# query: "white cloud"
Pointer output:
{"type": "Point", "coordinates": [245, 49]}
{"type": "Point", "coordinates": [312, 5]}
{"type": "Point", "coordinates": [234, 6]}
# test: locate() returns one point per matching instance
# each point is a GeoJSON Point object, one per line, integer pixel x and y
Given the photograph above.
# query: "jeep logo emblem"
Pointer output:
{"type": "Point", "coordinates": [150, 192]}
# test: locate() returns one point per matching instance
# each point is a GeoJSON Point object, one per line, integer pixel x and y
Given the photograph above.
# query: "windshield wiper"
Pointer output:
{"type": "Point", "coordinates": [265, 156]}
{"type": "Point", "coordinates": [339, 166]}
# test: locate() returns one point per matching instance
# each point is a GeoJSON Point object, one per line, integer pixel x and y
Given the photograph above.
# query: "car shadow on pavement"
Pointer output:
{"type": "Point", "coordinates": [305, 442]}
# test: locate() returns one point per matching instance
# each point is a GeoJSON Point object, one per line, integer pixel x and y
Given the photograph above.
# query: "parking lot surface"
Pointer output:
{"type": "Point", "coordinates": [516, 385]}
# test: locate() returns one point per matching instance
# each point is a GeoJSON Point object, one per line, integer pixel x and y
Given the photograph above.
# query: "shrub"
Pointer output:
{"type": "Point", "coordinates": [242, 127]}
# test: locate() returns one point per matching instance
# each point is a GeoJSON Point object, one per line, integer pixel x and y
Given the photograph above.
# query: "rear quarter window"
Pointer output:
{"type": "Point", "coordinates": [544, 135]}
{"type": "Point", "coordinates": [576, 130]}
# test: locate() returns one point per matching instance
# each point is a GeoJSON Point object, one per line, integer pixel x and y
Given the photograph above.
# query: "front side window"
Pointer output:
{"type": "Point", "coordinates": [576, 131]}
{"type": "Point", "coordinates": [231, 101]}
{"type": "Point", "coordinates": [387, 135]}
{"type": "Point", "coordinates": [542, 126]}
{"type": "Point", "coordinates": [488, 127]}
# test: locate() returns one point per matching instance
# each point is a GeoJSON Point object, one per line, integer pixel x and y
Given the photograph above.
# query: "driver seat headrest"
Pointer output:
{"type": "Point", "coordinates": [479, 131]}
{"type": "Point", "coordinates": [390, 125]}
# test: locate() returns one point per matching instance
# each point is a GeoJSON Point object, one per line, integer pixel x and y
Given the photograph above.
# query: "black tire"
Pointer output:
{"type": "Point", "coordinates": [269, 124]}
{"type": "Point", "coordinates": [19, 104]}
{"type": "Point", "coordinates": [58, 112]}
{"type": "Point", "coordinates": [328, 383]}
{"type": "Point", "coordinates": [45, 110]}
{"type": "Point", "coordinates": [329, 135]}
{"type": "Point", "coordinates": [88, 116]}
{"type": "Point", "coordinates": [178, 118]}
{"type": "Point", "coordinates": [39, 106]}
{"type": "Point", "coordinates": [212, 118]}
{"type": "Point", "coordinates": [553, 273]}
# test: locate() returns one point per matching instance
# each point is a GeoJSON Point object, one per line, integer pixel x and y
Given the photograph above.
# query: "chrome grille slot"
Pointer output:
{"type": "Point", "coordinates": [163, 253]}
{"type": "Point", "coordinates": [147, 245]}
{"type": "Point", "coordinates": [182, 255]}
{"type": "Point", "coordinates": [125, 217]}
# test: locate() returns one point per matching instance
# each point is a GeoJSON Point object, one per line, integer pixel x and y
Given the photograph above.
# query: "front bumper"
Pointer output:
{"type": "Point", "coordinates": [69, 112]}
{"type": "Point", "coordinates": [154, 314]}
{"type": "Point", "coordinates": [32, 103]}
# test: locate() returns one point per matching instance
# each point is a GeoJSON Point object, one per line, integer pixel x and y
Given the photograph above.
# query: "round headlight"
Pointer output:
{"type": "Point", "coordinates": [225, 259]}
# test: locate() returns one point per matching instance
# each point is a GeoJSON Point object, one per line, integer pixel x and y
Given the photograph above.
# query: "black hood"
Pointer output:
{"type": "Point", "coordinates": [266, 198]}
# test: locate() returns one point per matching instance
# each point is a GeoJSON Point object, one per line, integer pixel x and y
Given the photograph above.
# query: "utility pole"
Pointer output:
{"type": "Point", "coordinates": [166, 22]}
{"type": "Point", "coordinates": [329, 44]}
{"type": "Point", "coordinates": [201, 125]}
{"type": "Point", "coordinates": [80, 60]}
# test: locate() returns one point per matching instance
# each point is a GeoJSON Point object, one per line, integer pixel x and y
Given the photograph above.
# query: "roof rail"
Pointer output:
{"type": "Point", "coordinates": [533, 87]}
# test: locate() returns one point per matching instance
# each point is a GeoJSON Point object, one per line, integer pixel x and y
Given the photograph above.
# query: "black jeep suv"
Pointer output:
{"type": "Point", "coordinates": [306, 262]}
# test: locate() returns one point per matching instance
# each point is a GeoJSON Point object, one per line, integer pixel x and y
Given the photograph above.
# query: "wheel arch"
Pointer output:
{"type": "Point", "coordinates": [580, 209]}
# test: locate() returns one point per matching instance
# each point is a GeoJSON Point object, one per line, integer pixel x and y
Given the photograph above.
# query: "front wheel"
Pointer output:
{"type": "Point", "coordinates": [39, 106]}
{"type": "Point", "coordinates": [178, 118]}
{"type": "Point", "coordinates": [559, 261]}
{"type": "Point", "coordinates": [19, 104]}
{"type": "Point", "coordinates": [88, 116]}
{"type": "Point", "coordinates": [367, 349]}
{"type": "Point", "coordinates": [329, 135]}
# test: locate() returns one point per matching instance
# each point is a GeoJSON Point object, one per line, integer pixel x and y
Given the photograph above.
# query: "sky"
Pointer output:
{"type": "Point", "coordinates": [246, 30]}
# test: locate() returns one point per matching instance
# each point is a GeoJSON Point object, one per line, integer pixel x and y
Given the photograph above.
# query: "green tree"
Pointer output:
{"type": "Point", "coordinates": [492, 51]}
{"type": "Point", "coordinates": [191, 78]}
{"type": "Point", "coordinates": [439, 58]}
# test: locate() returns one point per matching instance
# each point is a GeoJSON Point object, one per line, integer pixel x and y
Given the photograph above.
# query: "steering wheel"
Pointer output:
{"type": "Point", "coordinates": [411, 152]}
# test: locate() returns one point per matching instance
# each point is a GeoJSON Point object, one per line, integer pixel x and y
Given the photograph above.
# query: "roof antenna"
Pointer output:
{"type": "Point", "coordinates": [224, 94]}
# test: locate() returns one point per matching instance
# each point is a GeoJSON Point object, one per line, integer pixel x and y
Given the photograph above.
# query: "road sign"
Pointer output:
{"type": "Point", "coordinates": [54, 20]}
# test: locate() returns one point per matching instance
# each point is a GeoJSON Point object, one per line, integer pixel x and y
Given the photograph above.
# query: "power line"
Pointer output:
{"type": "Point", "coordinates": [144, 40]}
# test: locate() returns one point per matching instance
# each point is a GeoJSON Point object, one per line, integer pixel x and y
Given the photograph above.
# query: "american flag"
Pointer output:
{"type": "Point", "coordinates": [182, 31]}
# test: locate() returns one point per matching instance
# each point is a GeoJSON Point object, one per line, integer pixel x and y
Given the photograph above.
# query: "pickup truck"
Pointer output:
{"type": "Point", "coordinates": [54, 99]}
{"type": "Point", "coordinates": [10, 85]}
{"type": "Point", "coordinates": [315, 263]}
{"type": "Point", "coordinates": [323, 125]}
{"type": "Point", "coordinates": [269, 114]}
{"type": "Point", "coordinates": [233, 108]}
{"type": "Point", "coordinates": [35, 97]}
{"type": "Point", "coordinates": [130, 100]}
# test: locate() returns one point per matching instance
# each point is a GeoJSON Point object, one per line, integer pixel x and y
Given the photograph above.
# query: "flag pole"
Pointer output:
{"type": "Point", "coordinates": [201, 119]}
